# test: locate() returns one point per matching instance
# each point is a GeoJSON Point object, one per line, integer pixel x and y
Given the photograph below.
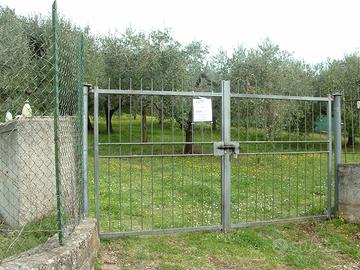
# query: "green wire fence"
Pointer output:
{"type": "Point", "coordinates": [41, 76]}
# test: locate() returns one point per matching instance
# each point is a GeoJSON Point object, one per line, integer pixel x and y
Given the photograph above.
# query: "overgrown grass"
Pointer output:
{"type": "Point", "coordinates": [16, 240]}
{"type": "Point", "coordinates": [316, 245]}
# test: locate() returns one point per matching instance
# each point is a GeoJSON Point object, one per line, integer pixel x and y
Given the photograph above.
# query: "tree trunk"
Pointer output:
{"type": "Point", "coordinates": [108, 116]}
{"type": "Point", "coordinates": [90, 127]}
{"type": "Point", "coordinates": [351, 140]}
{"type": "Point", "coordinates": [188, 148]}
{"type": "Point", "coordinates": [144, 127]}
{"type": "Point", "coordinates": [214, 123]}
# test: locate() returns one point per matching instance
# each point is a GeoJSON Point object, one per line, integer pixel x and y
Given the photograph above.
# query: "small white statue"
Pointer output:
{"type": "Point", "coordinates": [26, 111]}
{"type": "Point", "coordinates": [8, 116]}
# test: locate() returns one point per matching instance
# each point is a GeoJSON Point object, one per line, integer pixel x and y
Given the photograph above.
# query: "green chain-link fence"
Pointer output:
{"type": "Point", "coordinates": [41, 73]}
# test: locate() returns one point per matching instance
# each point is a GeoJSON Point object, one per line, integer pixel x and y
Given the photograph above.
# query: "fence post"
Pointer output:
{"type": "Point", "coordinates": [329, 166]}
{"type": "Point", "coordinates": [60, 212]}
{"type": "Point", "coordinates": [337, 146]}
{"type": "Point", "coordinates": [85, 149]}
{"type": "Point", "coordinates": [225, 159]}
{"type": "Point", "coordinates": [96, 156]}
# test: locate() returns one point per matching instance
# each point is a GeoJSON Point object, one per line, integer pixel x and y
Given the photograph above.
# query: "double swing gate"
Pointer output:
{"type": "Point", "coordinates": [262, 159]}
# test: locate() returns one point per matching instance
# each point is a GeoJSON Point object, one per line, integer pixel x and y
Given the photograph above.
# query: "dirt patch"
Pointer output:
{"type": "Point", "coordinates": [356, 237]}
{"type": "Point", "coordinates": [220, 264]}
{"type": "Point", "coordinates": [350, 266]}
{"type": "Point", "coordinates": [111, 257]}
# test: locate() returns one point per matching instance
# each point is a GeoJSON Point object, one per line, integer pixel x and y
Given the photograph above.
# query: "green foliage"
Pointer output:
{"type": "Point", "coordinates": [343, 76]}
{"type": "Point", "coordinates": [26, 66]}
{"type": "Point", "coordinates": [156, 60]}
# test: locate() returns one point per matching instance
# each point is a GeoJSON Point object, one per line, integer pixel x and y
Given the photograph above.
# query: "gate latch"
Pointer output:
{"type": "Point", "coordinates": [232, 148]}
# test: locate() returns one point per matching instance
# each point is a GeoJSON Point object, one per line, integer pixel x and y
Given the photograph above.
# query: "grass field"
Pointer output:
{"type": "Point", "coordinates": [186, 192]}
{"type": "Point", "coordinates": [269, 180]}
{"type": "Point", "coordinates": [317, 245]}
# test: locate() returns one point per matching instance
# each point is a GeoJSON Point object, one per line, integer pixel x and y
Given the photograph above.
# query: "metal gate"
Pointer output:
{"type": "Point", "coordinates": [262, 159]}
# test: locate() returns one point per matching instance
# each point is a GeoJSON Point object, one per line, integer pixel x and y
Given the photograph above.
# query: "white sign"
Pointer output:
{"type": "Point", "coordinates": [202, 110]}
{"type": "Point", "coordinates": [358, 104]}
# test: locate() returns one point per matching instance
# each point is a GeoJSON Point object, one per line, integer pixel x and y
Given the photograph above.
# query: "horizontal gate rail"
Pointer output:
{"type": "Point", "coordinates": [283, 153]}
{"type": "Point", "coordinates": [160, 231]}
{"type": "Point", "coordinates": [154, 143]}
{"type": "Point", "coordinates": [207, 94]}
{"type": "Point", "coordinates": [158, 93]}
{"type": "Point", "coordinates": [243, 142]}
{"type": "Point", "coordinates": [210, 155]}
{"type": "Point", "coordinates": [279, 221]}
{"type": "Point", "coordinates": [276, 97]}
{"type": "Point", "coordinates": [158, 155]}
{"type": "Point", "coordinates": [284, 142]}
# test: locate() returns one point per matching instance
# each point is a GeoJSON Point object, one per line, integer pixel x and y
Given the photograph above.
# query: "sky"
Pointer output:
{"type": "Point", "coordinates": [312, 30]}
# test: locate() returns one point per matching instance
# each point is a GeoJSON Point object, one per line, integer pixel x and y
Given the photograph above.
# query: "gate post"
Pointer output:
{"type": "Point", "coordinates": [337, 146]}
{"type": "Point", "coordinates": [96, 156]}
{"type": "Point", "coordinates": [329, 167]}
{"type": "Point", "coordinates": [225, 159]}
{"type": "Point", "coordinates": [85, 150]}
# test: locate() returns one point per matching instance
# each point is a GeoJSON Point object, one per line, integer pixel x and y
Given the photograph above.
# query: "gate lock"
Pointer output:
{"type": "Point", "coordinates": [221, 148]}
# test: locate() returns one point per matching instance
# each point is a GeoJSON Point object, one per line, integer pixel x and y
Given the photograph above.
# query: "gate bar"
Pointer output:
{"type": "Point", "coordinates": [159, 93]}
{"type": "Point", "coordinates": [209, 142]}
{"type": "Point", "coordinates": [208, 93]}
{"type": "Point", "coordinates": [329, 167]}
{"type": "Point", "coordinates": [212, 154]}
{"type": "Point", "coordinates": [225, 159]}
{"type": "Point", "coordinates": [279, 97]}
{"type": "Point", "coordinates": [96, 156]}
{"type": "Point", "coordinates": [337, 146]}
{"type": "Point", "coordinates": [109, 235]}
{"type": "Point", "coordinates": [279, 221]}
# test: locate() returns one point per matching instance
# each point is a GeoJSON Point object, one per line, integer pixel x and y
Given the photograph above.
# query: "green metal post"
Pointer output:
{"type": "Point", "coordinates": [60, 212]}
{"type": "Point", "coordinates": [81, 131]}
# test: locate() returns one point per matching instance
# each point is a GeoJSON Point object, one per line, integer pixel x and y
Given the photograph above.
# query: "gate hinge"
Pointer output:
{"type": "Point", "coordinates": [221, 148]}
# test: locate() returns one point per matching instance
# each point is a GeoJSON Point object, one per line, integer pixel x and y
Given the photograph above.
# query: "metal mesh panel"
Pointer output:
{"type": "Point", "coordinates": [70, 123]}
{"type": "Point", "coordinates": [350, 129]}
{"type": "Point", "coordinates": [28, 190]}
{"type": "Point", "coordinates": [262, 159]}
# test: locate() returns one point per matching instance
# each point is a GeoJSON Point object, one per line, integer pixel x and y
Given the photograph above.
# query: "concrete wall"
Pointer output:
{"type": "Point", "coordinates": [79, 252]}
{"type": "Point", "coordinates": [349, 192]}
{"type": "Point", "coordinates": [9, 201]}
{"type": "Point", "coordinates": [27, 168]}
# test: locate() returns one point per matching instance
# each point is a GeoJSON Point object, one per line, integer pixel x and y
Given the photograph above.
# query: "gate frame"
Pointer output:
{"type": "Point", "coordinates": [329, 99]}
{"type": "Point", "coordinates": [226, 95]}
